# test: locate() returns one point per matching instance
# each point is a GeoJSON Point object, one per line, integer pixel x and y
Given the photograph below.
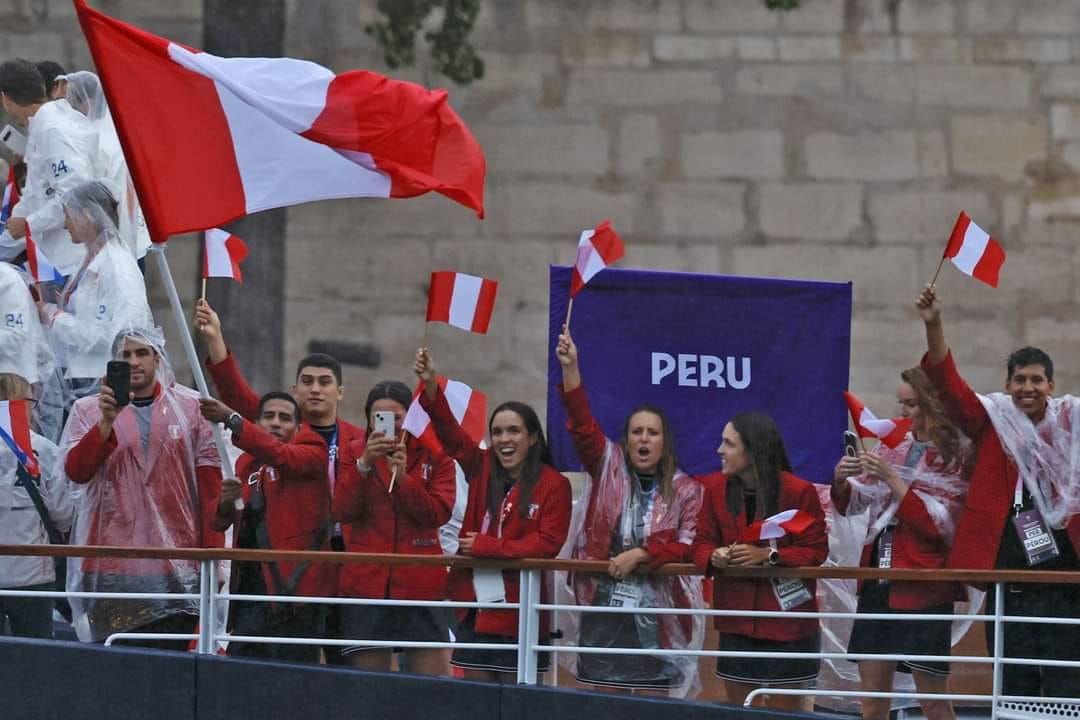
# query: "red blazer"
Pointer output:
{"type": "Point", "coordinates": [917, 544]}
{"type": "Point", "coordinates": [539, 535]}
{"type": "Point", "coordinates": [406, 521]}
{"type": "Point", "coordinates": [717, 528]}
{"type": "Point", "coordinates": [292, 479]}
{"type": "Point", "coordinates": [990, 495]}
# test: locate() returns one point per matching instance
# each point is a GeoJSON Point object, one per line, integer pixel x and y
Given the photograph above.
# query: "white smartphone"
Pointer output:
{"type": "Point", "coordinates": [384, 422]}
{"type": "Point", "coordinates": [14, 139]}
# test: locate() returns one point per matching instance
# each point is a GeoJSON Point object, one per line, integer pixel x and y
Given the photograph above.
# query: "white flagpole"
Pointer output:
{"type": "Point", "coordinates": [158, 250]}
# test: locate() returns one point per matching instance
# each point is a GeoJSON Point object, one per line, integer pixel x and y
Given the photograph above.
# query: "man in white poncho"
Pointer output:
{"type": "Point", "coordinates": [1022, 502]}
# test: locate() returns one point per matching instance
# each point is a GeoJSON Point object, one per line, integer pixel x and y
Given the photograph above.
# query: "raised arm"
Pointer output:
{"type": "Point", "coordinates": [454, 440]}
{"type": "Point", "coordinates": [231, 385]}
{"type": "Point", "coordinates": [589, 439]}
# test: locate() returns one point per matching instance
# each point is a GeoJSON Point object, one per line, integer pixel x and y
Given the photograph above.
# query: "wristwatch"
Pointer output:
{"type": "Point", "coordinates": [234, 423]}
{"type": "Point", "coordinates": [774, 557]}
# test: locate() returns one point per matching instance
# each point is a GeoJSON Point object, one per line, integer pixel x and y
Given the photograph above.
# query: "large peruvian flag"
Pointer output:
{"type": "Point", "coordinates": [210, 139]}
{"type": "Point", "coordinates": [867, 425]}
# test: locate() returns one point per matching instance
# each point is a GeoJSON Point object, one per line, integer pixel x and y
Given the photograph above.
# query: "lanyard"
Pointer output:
{"type": "Point", "coordinates": [331, 469]}
{"type": "Point", "coordinates": [1018, 493]}
{"type": "Point", "coordinates": [503, 512]}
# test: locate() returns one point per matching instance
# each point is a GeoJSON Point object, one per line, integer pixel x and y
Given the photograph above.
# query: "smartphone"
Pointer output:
{"type": "Point", "coordinates": [118, 377]}
{"type": "Point", "coordinates": [14, 139]}
{"type": "Point", "coordinates": [384, 422]}
{"type": "Point", "coordinates": [851, 444]}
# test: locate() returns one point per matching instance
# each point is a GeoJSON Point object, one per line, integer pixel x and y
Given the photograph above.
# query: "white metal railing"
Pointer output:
{"type": "Point", "coordinates": [528, 645]}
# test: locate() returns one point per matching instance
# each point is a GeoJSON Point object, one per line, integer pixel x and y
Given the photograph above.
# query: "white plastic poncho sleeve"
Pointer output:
{"type": "Point", "coordinates": [1047, 455]}
{"type": "Point", "coordinates": [23, 348]}
{"type": "Point", "coordinates": [596, 518]}
{"type": "Point", "coordinates": [141, 495]}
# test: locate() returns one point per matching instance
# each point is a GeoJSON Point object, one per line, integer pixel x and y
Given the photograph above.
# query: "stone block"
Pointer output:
{"type": "Point", "coordinates": [927, 216]}
{"type": "Point", "coordinates": [1036, 50]}
{"type": "Point", "coordinates": [936, 49]}
{"type": "Point", "coordinates": [551, 150]}
{"type": "Point", "coordinates": [755, 154]}
{"type": "Point", "coordinates": [700, 210]}
{"type": "Point", "coordinates": [692, 48]}
{"type": "Point", "coordinates": [926, 17]}
{"type": "Point", "coordinates": [1033, 277]}
{"type": "Point", "coordinates": [933, 156]}
{"type": "Point", "coordinates": [889, 155]}
{"type": "Point", "coordinates": [648, 15]}
{"type": "Point", "coordinates": [1055, 201]}
{"type": "Point", "coordinates": [724, 16]}
{"type": "Point", "coordinates": [751, 47]}
{"type": "Point", "coordinates": [882, 81]}
{"type": "Point", "coordinates": [882, 276]}
{"type": "Point", "coordinates": [809, 80]}
{"type": "Point", "coordinates": [1062, 81]}
{"type": "Point", "coordinates": [1065, 121]}
{"type": "Point", "coordinates": [988, 16]}
{"type": "Point", "coordinates": [965, 86]}
{"type": "Point", "coordinates": [871, 16]}
{"type": "Point", "coordinates": [871, 48]}
{"type": "Point", "coordinates": [639, 142]}
{"type": "Point", "coordinates": [817, 211]}
{"type": "Point", "coordinates": [606, 49]}
{"type": "Point", "coordinates": [1015, 141]}
{"type": "Point", "coordinates": [1047, 17]}
{"type": "Point", "coordinates": [698, 258]}
{"type": "Point", "coordinates": [562, 210]}
{"type": "Point", "coordinates": [37, 45]}
{"type": "Point", "coordinates": [1059, 337]}
{"type": "Point", "coordinates": [809, 48]}
{"type": "Point", "coordinates": [814, 16]}
{"type": "Point", "coordinates": [643, 87]}
{"type": "Point", "coordinates": [140, 11]}
{"type": "Point", "coordinates": [522, 73]}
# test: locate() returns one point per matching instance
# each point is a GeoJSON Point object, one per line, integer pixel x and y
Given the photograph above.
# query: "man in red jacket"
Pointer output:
{"type": "Point", "coordinates": [282, 480]}
{"type": "Point", "coordinates": [1021, 505]}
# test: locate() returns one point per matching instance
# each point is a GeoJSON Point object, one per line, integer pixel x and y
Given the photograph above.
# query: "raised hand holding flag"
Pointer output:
{"type": "Point", "coordinates": [889, 431]}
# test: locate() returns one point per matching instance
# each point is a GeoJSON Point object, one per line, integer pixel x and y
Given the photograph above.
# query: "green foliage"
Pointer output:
{"type": "Point", "coordinates": [451, 52]}
{"type": "Point", "coordinates": [782, 5]}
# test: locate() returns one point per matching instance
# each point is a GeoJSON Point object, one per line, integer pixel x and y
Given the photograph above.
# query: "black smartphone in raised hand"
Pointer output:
{"type": "Point", "coordinates": [118, 377]}
{"type": "Point", "coordinates": [851, 444]}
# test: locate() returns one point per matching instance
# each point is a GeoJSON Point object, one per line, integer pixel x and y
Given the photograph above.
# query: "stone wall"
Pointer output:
{"type": "Point", "coordinates": [836, 142]}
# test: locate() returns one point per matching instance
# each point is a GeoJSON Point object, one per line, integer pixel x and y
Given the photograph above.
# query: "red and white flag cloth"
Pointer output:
{"type": "Point", "coordinates": [210, 139]}
{"type": "Point", "coordinates": [464, 301]}
{"type": "Point", "coordinates": [596, 249]}
{"type": "Point", "coordinates": [468, 406]}
{"type": "Point", "coordinates": [778, 525]}
{"type": "Point", "coordinates": [10, 197]}
{"type": "Point", "coordinates": [15, 432]}
{"type": "Point", "coordinates": [867, 425]}
{"type": "Point", "coordinates": [222, 254]}
{"type": "Point", "coordinates": [39, 266]}
{"type": "Point", "coordinates": [974, 252]}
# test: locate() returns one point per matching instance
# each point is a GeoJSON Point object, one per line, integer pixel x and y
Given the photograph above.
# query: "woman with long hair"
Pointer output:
{"type": "Point", "coordinates": [518, 507]}
{"type": "Point", "coordinates": [913, 494]}
{"type": "Point", "coordinates": [756, 512]}
{"type": "Point", "coordinates": [639, 512]}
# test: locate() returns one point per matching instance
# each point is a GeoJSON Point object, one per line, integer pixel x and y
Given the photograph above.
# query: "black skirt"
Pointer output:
{"type": "Point", "coordinates": [904, 637]}
{"type": "Point", "coordinates": [768, 671]}
{"type": "Point", "coordinates": [493, 660]}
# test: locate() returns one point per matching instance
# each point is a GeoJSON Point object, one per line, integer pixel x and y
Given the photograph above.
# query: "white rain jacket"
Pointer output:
{"type": "Point", "coordinates": [23, 349]}
{"type": "Point", "coordinates": [61, 153]}
{"type": "Point", "coordinates": [20, 523]}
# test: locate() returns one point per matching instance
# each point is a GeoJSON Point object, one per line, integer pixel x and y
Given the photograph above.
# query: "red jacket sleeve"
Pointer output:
{"type": "Point", "coordinates": [912, 510]}
{"type": "Point", "coordinates": [961, 404]}
{"type": "Point", "coordinates": [350, 492]}
{"type": "Point", "coordinates": [304, 457]}
{"type": "Point", "coordinates": [662, 547]}
{"type": "Point", "coordinates": [209, 482]}
{"type": "Point", "coordinates": [589, 439]}
{"type": "Point", "coordinates": [233, 389]}
{"type": "Point", "coordinates": [811, 546]}
{"type": "Point", "coordinates": [87, 456]}
{"type": "Point", "coordinates": [549, 536]}
{"type": "Point", "coordinates": [429, 505]}
{"type": "Point", "coordinates": [708, 536]}
{"type": "Point", "coordinates": [455, 441]}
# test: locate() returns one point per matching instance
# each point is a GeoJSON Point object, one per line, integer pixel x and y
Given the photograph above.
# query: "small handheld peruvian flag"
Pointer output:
{"type": "Point", "coordinates": [469, 407]}
{"type": "Point", "coordinates": [15, 432]}
{"type": "Point", "coordinates": [867, 425]}
{"type": "Point", "coordinates": [222, 254]}
{"type": "Point", "coordinates": [597, 249]}
{"type": "Point", "coordinates": [41, 270]}
{"type": "Point", "coordinates": [779, 525]}
{"type": "Point", "coordinates": [461, 300]}
{"type": "Point", "coordinates": [10, 197]}
{"type": "Point", "coordinates": [974, 252]}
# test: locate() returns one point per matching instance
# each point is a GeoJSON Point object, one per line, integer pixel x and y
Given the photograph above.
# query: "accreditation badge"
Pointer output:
{"type": "Point", "coordinates": [790, 592]}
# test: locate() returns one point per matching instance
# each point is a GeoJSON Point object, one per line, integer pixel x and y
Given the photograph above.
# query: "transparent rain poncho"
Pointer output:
{"type": "Point", "coordinates": [614, 515]}
{"type": "Point", "coordinates": [23, 346]}
{"type": "Point", "coordinates": [85, 94]}
{"type": "Point", "coordinates": [1046, 455]}
{"type": "Point", "coordinates": [106, 294]}
{"type": "Point", "coordinates": [144, 494]}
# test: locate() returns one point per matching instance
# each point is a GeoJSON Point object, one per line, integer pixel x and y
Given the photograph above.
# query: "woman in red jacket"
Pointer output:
{"type": "Point", "coordinates": [393, 499]}
{"type": "Point", "coordinates": [744, 503]}
{"type": "Point", "coordinates": [913, 493]}
{"type": "Point", "coordinates": [519, 507]}
{"type": "Point", "coordinates": [640, 512]}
